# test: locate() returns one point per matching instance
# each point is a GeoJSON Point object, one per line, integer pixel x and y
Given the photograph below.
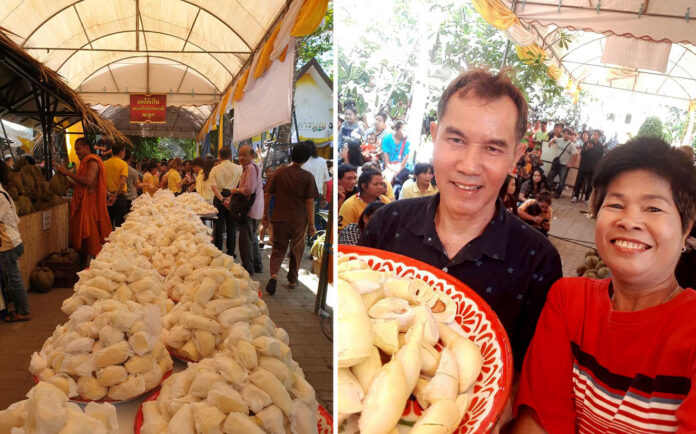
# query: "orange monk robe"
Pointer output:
{"type": "Point", "coordinates": [89, 217]}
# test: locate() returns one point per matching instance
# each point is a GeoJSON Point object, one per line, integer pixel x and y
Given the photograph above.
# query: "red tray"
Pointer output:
{"type": "Point", "coordinates": [324, 419]}
{"type": "Point", "coordinates": [480, 324]}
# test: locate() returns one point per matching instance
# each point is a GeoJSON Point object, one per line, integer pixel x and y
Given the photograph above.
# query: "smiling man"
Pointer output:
{"type": "Point", "coordinates": [464, 229]}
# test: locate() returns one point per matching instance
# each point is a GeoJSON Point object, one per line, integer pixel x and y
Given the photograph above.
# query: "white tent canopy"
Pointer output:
{"type": "Point", "coordinates": [634, 45]}
{"type": "Point", "coordinates": [189, 49]}
{"type": "Point", "coordinates": [657, 20]}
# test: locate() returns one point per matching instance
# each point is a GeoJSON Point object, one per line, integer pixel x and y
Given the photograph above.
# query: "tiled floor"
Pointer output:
{"type": "Point", "coordinates": [572, 232]}
{"type": "Point", "coordinates": [292, 310]}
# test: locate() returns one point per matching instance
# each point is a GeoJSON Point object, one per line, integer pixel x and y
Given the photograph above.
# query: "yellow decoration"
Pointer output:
{"type": "Point", "coordinates": [75, 133]}
{"type": "Point", "coordinates": [265, 58]}
{"type": "Point", "coordinates": [531, 53]}
{"type": "Point", "coordinates": [282, 55]}
{"type": "Point", "coordinates": [495, 13]}
{"type": "Point", "coordinates": [309, 18]}
{"type": "Point", "coordinates": [241, 84]}
{"type": "Point", "coordinates": [554, 72]}
{"type": "Point", "coordinates": [27, 144]}
{"type": "Point", "coordinates": [692, 105]}
{"type": "Point", "coordinates": [220, 141]}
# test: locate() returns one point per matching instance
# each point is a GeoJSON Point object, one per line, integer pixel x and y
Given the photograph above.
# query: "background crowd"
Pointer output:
{"type": "Point", "coordinates": [105, 184]}
{"type": "Point", "coordinates": [377, 165]}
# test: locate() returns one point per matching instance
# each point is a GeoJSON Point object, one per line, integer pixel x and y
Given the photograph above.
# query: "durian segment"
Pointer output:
{"type": "Point", "coordinates": [385, 401]}
{"type": "Point", "coordinates": [354, 340]}
{"type": "Point", "coordinates": [393, 308]}
{"type": "Point", "coordinates": [468, 355]}
{"type": "Point", "coordinates": [385, 335]}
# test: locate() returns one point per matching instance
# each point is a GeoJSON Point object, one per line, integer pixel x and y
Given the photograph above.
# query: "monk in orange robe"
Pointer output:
{"type": "Point", "coordinates": [89, 217]}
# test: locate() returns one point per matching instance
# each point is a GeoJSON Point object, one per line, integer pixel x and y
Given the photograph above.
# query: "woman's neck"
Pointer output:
{"type": "Point", "coordinates": [631, 297]}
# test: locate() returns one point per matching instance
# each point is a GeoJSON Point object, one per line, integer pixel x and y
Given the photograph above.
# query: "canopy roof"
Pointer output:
{"type": "Point", "coordinates": [189, 49]}
{"type": "Point", "coordinates": [665, 20]}
{"type": "Point", "coordinates": [35, 97]}
{"type": "Point", "coordinates": [584, 61]}
{"type": "Point", "coordinates": [646, 47]}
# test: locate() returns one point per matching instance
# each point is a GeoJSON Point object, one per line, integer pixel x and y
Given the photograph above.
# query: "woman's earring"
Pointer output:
{"type": "Point", "coordinates": [683, 249]}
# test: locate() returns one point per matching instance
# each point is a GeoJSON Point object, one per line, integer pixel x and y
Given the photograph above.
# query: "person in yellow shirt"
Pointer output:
{"type": "Point", "coordinates": [421, 186]}
{"type": "Point", "coordinates": [174, 177]}
{"type": "Point", "coordinates": [116, 171]}
{"type": "Point", "coordinates": [387, 189]}
{"type": "Point", "coordinates": [371, 186]}
{"type": "Point", "coordinates": [150, 178]}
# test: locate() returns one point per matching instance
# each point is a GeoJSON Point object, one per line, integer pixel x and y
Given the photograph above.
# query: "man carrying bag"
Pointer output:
{"type": "Point", "coordinates": [559, 165]}
{"type": "Point", "coordinates": [246, 207]}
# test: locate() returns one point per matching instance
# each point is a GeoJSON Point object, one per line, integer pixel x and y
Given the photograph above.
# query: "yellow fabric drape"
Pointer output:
{"type": "Point", "coordinates": [220, 141]}
{"type": "Point", "coordinates": [531, 53]}
{"type": "Point", "coordinates": [70, 139]}
{"type": "Point", "coordinates": [309, 18]}
{"type": "Point", "coordinates": [265, 58]}
{"type": "Point", "coordinates": [282, 55]}
{"type": "Point", "coordinates": [221, 108]}
{"type": "Point", "coordinates": [241, 84]}
{"type": "Point", "coordinates": [495, 13]}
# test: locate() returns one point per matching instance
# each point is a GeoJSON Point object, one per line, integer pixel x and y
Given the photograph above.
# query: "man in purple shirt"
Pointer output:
{"type": "Point", "coordinates": [250, 184]}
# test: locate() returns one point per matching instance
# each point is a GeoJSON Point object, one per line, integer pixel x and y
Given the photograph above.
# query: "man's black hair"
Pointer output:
{"type": "Point", "coordinates": [301, 153]}
{"type": "Point", "coordinates": [422, 168]}
{"type": "Point", "coordinates": [345, 168]}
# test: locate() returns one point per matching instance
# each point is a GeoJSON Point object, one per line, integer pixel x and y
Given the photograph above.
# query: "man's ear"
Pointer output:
{"type": "Point", "coordinates": [433, 129]}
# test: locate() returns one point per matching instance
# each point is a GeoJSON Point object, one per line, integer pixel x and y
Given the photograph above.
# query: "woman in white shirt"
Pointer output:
{"type": "Point", "coordinates": [11, 248]}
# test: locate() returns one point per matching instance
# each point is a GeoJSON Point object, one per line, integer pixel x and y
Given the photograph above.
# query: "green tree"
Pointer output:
{"type": "Point", "coordinates": [163, 147]}
{"type": "Point", "coordinates": [319, 45]}
{"type": "Point", "coordinates": [652, 127]}
{"type": "Point", "coordinates": [379, 65]}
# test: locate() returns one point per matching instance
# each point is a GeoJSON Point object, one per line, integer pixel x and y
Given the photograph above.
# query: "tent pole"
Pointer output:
{"type": "Point", "coordinates": [507, 44]}
{"type": "Point", "coordinates": [505, 54]}
{"type": "Point", "coordinates": [322, 287]}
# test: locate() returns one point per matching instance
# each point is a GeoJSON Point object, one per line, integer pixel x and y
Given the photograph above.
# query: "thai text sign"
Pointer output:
{"type": "Point", "coordinates": [148, 108]}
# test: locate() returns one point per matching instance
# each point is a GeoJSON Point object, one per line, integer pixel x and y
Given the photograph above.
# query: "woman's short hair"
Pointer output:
{"type": "Point", "coordinates": [368, 211]}
{"type": "Point", "coordinates": [422, 168]}
{"type": "Point", "coordinates": [654, 155]}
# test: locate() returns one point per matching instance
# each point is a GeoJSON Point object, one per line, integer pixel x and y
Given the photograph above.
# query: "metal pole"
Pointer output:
{"type": "Point", "coordinates": [294, 118]}
{"type": "Point", "coordinates": [507, 44]}
{"type": "Point", "coordinates": [505, 54]}
{"type": "Point", "coordinates": [320, 302]}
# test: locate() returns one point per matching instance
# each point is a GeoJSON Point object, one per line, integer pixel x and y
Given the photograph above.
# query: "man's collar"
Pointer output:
{"type": "Point", "coordinates": [492, 242]}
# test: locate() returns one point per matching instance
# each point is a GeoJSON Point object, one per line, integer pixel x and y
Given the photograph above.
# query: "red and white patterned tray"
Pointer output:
{"type": "Point", "coordinates": [478, 322]}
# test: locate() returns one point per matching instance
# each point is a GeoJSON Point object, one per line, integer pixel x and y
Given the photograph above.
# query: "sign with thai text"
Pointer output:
{"type": "Point", "coordinates": [148, 108]}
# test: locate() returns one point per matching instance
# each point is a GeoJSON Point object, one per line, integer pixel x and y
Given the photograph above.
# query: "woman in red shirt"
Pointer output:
{"type": "Point", "coordinates": [619, 355]}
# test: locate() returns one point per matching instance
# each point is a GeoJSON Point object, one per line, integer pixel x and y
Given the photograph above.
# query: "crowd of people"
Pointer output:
{"type": "Point", "coordinates": [278, 202]}
{"type": "Point", "coordinates": [528, 192]}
